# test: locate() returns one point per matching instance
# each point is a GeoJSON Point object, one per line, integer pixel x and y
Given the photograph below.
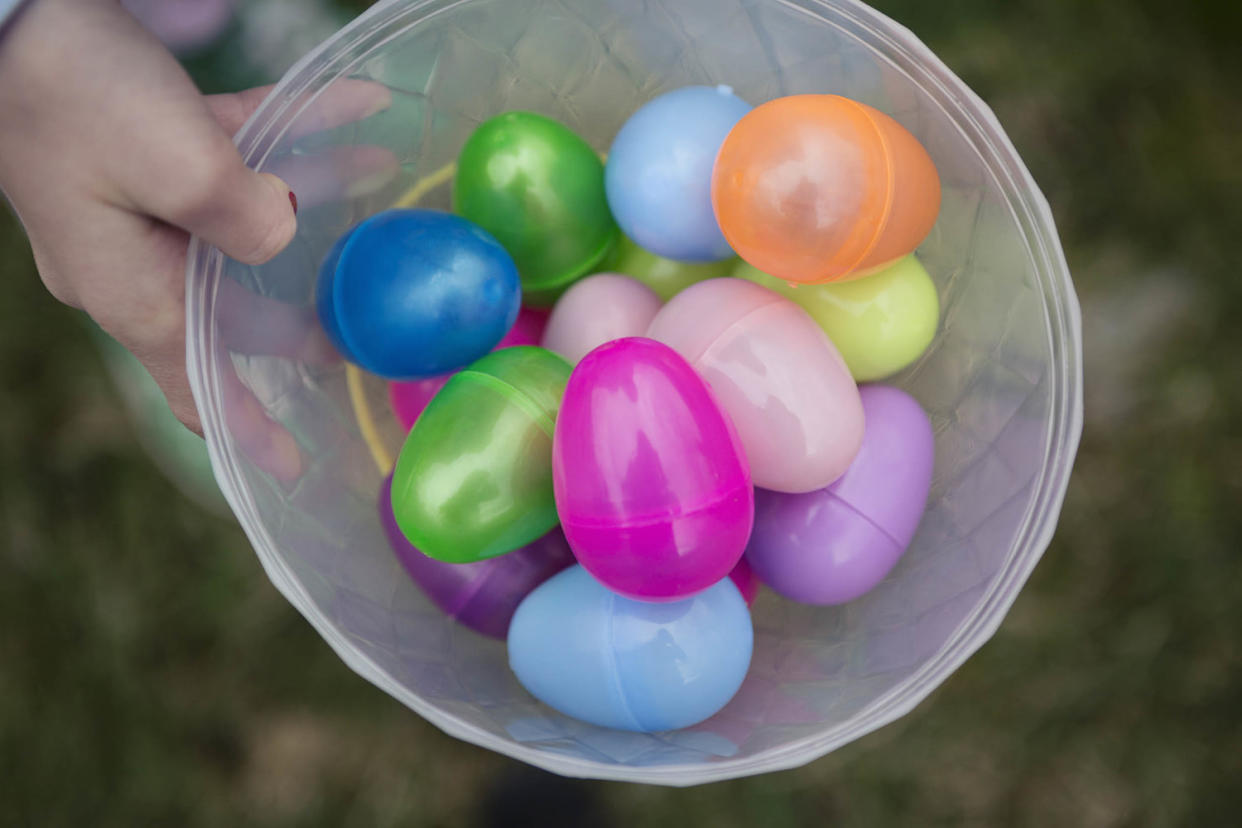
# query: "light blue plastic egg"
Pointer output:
{"type": "Point", "coordinates": [659, 173]}
{"type": "Point", "coordinates": [630, 665]}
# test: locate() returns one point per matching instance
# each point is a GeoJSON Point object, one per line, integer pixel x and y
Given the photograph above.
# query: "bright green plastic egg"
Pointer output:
{"type": "Point", "coordinates": [665, 276]}
{"type": "Point", "coordinates": [539, 189]}
{"type": "Point", "coordinates": [474, 478]}
{"type": "Point", "coordinates": [880, 323]}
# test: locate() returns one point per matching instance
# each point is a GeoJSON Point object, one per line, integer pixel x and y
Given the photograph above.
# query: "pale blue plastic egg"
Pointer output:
{"type": "Point", "coordinates": [659, 173]}
{"type": "Point", "coordinates": [630, 665]}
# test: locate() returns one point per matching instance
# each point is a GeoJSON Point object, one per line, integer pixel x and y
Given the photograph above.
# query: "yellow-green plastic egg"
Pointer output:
{"type": "Point", "coordinates": [665, 276]}
{"type": "Point", "coordinates": [880, 323]}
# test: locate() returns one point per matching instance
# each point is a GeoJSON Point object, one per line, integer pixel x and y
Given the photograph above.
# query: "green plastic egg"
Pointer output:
{"type": "Point", "coordinates": [665, 276]}
{"type": "Point", "coordinates": [880, 323]}
{"type": "Point", "coordinates": [474, 478]}
{"type": "Point", "coordinates": [548, 297]}
{"type": "Point", "coordinates": [545, 299]}
{"type": "Point", "coordinates": [539, 189]}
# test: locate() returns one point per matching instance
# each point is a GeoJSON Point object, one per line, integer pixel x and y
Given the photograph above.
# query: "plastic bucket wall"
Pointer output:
{"type": "Point", "coordinates": [1002, 381]}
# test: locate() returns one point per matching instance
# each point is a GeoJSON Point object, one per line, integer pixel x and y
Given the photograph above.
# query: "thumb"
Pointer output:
{"type": "Point", "coordinates": [250, 216]}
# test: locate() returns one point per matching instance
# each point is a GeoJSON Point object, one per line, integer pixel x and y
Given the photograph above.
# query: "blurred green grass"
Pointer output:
{"type": "Point", "coordinates": [149, 674]}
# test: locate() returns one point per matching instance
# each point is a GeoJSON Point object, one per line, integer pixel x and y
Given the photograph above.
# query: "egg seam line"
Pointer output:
{"type": "Point", "coordinates": [776, 299]}
{"type": "Point", "coordinates": [867, 518]}
{"type": "Point", "coordinates": [546, 424]}
{"type": "Point", "coordinates": [336, 288]}
{"type": "Point", "coordinates": [463, 600]}
{"type": "Point", "coordinates": [606, 521]}
{"type": "Point", "coordinates": [591, 265]}
{"type": "Point", "coordinates": [889, 186]}
{"type": "Point", "coordinates": [614, 673]}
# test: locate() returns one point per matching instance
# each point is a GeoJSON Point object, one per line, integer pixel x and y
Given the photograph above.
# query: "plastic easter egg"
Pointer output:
{"type": "Point", "coordinates": [630, 665]}
{"type": "Point", "coordinates": [596, 310]}
{"type": "Point", "coordinates": [659, 172]}
{"type": "Point", "coordinates": [408, 398]}
{"type": "Point", "coordinates": [776, 375]}
{"type": "Point", "coordinates": [665, 276]}
{"type": "Point", "coordinates": [482, 595]}
{"type": "Point", "coordinates": [527, 330]}
{"type": "Point", "coordinates": [474, 478]}
{"type": "Point", "coordinates": [833, 545]}
{"type": "Point", "coordinates": [415, 293]}
{"type": "Point", "coordinates": [817, 188]}
{"type": "Point", "coordinates": [746, 581]}
{"type": "Point", "coordinates": [545, 299]}
{"type": "Point", "coordinates": [325, 302]}
{"type": "Point", "coordinates": [880, 323]}
{"type": "Point", "coordinates": [539, 189]}
{"type": "Point", "coordinates": [651, 483]}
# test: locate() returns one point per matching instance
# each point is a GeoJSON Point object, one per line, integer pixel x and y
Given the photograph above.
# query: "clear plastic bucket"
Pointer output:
{"type": "Point", "coordinates": [1002, 381]}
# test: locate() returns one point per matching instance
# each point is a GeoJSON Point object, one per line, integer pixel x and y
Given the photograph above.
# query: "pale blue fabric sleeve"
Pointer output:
{"type": "Point", "coordinates": [7, 7]}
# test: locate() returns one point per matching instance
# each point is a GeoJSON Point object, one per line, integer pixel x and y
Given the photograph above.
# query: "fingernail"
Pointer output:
{"type": "Point", "coordinates": [294, 201]}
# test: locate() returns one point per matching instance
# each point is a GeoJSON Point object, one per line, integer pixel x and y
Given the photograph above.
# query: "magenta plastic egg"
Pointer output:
{"type": "Point", "coordinates": [596, 310]}
{"type": "Point", "coordinates": [651, 483]}
{"type": "Point", "coordinates": [408, 398]}
{"type": "Point", "coordinates": [777, 376]}
{"type": "Point", "coordinates": [746, 581]}
{"type": "Point", "coordinates": [835, 544]}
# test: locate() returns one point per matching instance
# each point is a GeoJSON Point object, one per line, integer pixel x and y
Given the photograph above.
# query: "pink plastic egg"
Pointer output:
{"type": "Point", "coordinates": [777, 376]}
{"type": "Point", "coordinates": [596, 310]}
{"type": "Point", "coordinates": [651, 482]}
{"type": "Point", "coordinates": [409, 398]}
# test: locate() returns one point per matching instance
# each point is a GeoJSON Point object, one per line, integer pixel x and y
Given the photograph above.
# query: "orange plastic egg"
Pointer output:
{"type": "Point", "coordinates": [820, 188]}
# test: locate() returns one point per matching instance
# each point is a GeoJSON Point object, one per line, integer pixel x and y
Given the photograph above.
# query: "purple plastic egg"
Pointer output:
{"type": "Point", "coordinates": [482, 595]}
{"type": "Point", "coordinates": [652, 487]}
{"type": "Point", "coordinates": [832, 545]}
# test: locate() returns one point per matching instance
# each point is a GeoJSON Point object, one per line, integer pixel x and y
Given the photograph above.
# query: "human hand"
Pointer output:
{"type": "Point", "coordinates": [112, 158]}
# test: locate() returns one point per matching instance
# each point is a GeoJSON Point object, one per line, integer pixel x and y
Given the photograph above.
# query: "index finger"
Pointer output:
{"type": "Point", "coordinates": [342, 102]}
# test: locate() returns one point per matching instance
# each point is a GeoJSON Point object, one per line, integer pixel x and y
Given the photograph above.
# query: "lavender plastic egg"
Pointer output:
{"type": "Point", "coordinates": [833, 545]}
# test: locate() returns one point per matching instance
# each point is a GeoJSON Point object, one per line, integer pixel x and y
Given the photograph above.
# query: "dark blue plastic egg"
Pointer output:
{"type": "Point", "coordinates": [412, 293]}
